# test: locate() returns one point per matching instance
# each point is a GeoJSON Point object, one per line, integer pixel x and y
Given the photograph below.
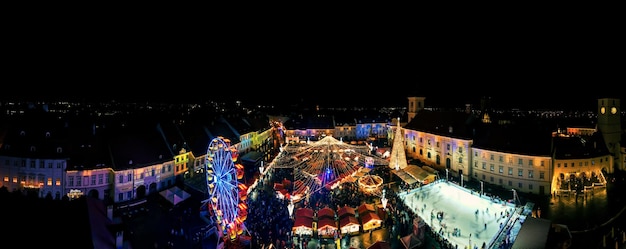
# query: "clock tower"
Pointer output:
{"type": "Point", "coordinates": [416, 104]}
{"type": "Point", "coordinates": [609, 125]}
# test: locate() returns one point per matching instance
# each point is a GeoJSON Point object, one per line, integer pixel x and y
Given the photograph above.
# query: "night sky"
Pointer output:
{"type": "Point", "coordinates": [331, 64]}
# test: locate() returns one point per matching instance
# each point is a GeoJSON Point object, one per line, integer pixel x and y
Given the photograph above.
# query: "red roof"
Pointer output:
{"type": "Point", "coordinates": [364, 208]}
{"type": "Point", "coordinates": [326, 212]}
{"type": "Point", "coordinates": [304, 212]}
{"type": "Point", "coordinates": [348, 220]}
{"type": "Point", "coordinates": [365, 218]}
{"type": "Point", "coordinates": [326, 222]}
{"type": "Point", "coordinates": [345, 210]}
{"type": "Point", "coordinates": [380, 245]}
{"type": "Point", "coordinates": [303, 222]}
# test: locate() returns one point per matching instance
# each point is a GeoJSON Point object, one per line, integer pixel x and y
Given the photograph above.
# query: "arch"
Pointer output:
{"type": "Point", "coordinates": [93, 193]}
{"type": "Point", "coordinates": [152, 188]}
{"type": "Point", "coordinates": [141, 192]}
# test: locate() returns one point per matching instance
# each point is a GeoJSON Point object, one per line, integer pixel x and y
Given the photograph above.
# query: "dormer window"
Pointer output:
{"type": "Point", "coordinates": [47, 134]}
{"type": "Point", "coordinates": [33, 149]}
{"type": "Point", "coordinates": [22, 133]}
{"type": "Point", "coordinates": [59, 150]}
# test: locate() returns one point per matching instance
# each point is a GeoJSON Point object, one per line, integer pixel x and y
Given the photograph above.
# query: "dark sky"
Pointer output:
{"type": "Point", "coordinates": [338, 63]}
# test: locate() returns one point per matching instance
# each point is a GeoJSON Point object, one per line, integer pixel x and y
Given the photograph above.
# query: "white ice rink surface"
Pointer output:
{"type": "Point", "coordinates": [459, 207]}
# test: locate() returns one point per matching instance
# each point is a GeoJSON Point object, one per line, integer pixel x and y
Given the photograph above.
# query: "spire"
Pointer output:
{"type": "Point", "coordinates": [398, 155]}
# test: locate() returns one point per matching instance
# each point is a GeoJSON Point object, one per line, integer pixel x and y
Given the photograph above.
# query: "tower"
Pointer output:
{"type": "Point", "coordinates": [609, 125]}
{"type": "Point", "coordinates": [416, 104]}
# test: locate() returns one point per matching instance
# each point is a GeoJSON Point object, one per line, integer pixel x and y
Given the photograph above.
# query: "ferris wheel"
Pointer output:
{"type": "Point", "coordinates": [226, 195]}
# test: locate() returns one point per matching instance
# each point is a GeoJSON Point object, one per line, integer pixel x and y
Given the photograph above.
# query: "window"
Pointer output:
{"type": "Point", "coordinates": [120, 196]}
{"type": "Point", "coordinates": [475, 164]}
{"type": "Point", "coordinates": [558, 165]}
{"type": "Point", "coordinates": [530, 186]}
{"type": "Point", "coordinates": [530, 174]}
{"type": "Point", "coordinates": [520, 161]}
{"type": "Point", "coordinates": [510, 183]}
{"type": "Point", "coordinates": [520, 172]}
{"type": "Point", "coordinates": [78, 181]}
{"type": "Point", "coordinates": [32, 164]}
{"type": "Point", "coordinates": [460, 160]}
{"type": "Point", "coordinates": [491, 178]}
{"type": "Point", "coordinates": [501, 169]}
{"type": "Point", "coordinates": [491, 167]}
{"type": "Point", "coordinates": [42, 165]}
{"type": "Point", "coordinates": [491, 157]}
{"type": "Point", "coordinates": [49, 181]}
{"type": "Point", "coordinates": [519, 185]}
{"type": "Point", "coordinates": [93, 180]}
{"type": "Point", "coordinates": [541, 175]}
{"type": "Point", "coordinates": [70, 181]}
{"type": "Point", "coordinates": [49, 165]}
{"type": "Point", "coordinates": [129, 177]}
{"type": "Point", "coordinates": [447, 146]}
{"type": "Point", "coordinates": [121, 179]}
{"type": "Point", "coordinates": [100, 179]}
{"type": "Point", "coordinates": [501, 159]}
{"type": "Point", "coordinates": [530, 162]}
{"type": "Point", "coordinates": [484, 165]}
{"type": "Point", "coordinates": [510, 171]}
{"type": "Point", "coordinates": [129, 194]}
{"type": "Point", "coordinates": [542, 163]}
{"type": "Point", "coordinates": [500, 181]}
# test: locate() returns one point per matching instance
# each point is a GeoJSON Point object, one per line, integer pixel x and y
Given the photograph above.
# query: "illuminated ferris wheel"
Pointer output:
{"type": "Point", "coordinates": [226, 195]}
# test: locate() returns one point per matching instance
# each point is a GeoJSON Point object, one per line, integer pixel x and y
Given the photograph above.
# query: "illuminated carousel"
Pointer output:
{"type": "Point", "coordinates": [327, 163]}
{"type": "Point", "coordinates": [370, 184]}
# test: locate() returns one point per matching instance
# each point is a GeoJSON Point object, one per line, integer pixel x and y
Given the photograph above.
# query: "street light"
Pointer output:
{"type": "Point", "coordinates": [514, 196]}
{"type": "Point", "coordinates": [290, 206]}
{"type": "Point", "coordinates": [384, 200]}
{"type": "Point", "coordinates": [481, 188]}
{"type": "Point", "coordinates": [461, 180]}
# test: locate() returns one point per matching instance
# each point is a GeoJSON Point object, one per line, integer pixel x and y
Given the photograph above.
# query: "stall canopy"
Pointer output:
{"type": "Point", "coordinates": [175, 195]}
{"type": "Point", "coordinates": [413, 173]}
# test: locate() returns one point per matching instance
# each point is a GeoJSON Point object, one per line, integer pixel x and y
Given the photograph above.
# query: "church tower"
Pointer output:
{"type": "Point", "coordinates": [609, 125]}
{"type": "Point", "coordinates": [416, 104]}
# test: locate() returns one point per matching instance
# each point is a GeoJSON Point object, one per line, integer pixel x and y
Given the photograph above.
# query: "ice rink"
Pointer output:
{"type": "Point", "coordinates": [446, 207]}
